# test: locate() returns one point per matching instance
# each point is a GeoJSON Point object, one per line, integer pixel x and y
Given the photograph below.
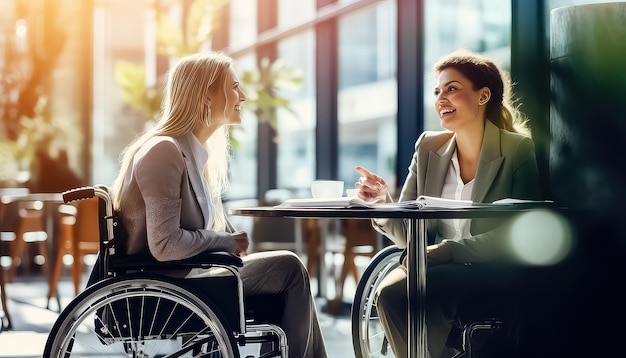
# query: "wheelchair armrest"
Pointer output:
{"type": "Point", "coordinates": [148, 262]}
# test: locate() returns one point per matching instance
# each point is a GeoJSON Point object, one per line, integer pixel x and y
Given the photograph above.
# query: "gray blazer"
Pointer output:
{"type": "Point", "coordinates": [507, 168]}
{"type": "Point", "coordinates": [163, 207]}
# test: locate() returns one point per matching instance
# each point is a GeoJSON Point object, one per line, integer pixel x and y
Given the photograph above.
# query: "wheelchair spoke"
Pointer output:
{"type": "Point", "coordinates": [368, 335]}
{"type": "Point", "coordinates": [153, 321]}
{"type": "Point", "coordinates": [145, 319]}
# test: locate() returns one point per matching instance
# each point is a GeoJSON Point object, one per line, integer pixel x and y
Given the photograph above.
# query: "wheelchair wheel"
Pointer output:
{"type": "Point", "coordinates": [140, 317]}
{"type": "Point", "coordinates": [368, 338]}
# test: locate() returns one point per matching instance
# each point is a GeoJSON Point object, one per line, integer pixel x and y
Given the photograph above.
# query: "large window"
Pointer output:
{"type": "Point", "coordinates": [244, 138]}
{"type": "Point", "coordinates": [293, 13]}
{"type": "Point", "coordinates": [367, 98]}
{"type": "Point", "coordinates": [118, 35]}
{"type": "Point", "coordinates": [482, 25]}
{"type": "Point", "coordinates": [366, 63]}
{"type": "Point", "coordinates": [296, 131]}
{"type": "Point", "coordinates": [243, 23]}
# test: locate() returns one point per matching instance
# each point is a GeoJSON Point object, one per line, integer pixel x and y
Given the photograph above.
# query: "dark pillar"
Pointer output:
{"type": "Point", "coordinates": [530, 74]}
{"type": "Point", "coordinates": [410, 82]}
{"type": "Point", "coordinates": [327, 79]}
{"type": "Point", "coordinates": [588, 127]}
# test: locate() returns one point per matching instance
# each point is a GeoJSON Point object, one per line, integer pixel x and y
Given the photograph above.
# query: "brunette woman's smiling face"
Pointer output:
{"type": "Point", "coordinates": [456, 102]}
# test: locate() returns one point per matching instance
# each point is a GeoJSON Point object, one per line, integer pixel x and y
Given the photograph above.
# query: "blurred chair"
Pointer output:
{"type": "Point", "coordinates": [30, 230]}
{"type": "Point", "coordinates": [311, 234]}
{"type": "Point", "coordinates": [358, 239]}
{"type": "Point", "coordinates": [5, 310]}
{"type": "Point", "coordinates": [361, 240]}
{"type": "Point", "coordinates": [274, 233]}
{"type": "Point", "coordinates": [8, 220]}
{"type": "Point", "coordinates": [78, 237]}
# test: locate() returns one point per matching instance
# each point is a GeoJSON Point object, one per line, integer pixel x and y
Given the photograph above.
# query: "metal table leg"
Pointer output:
{"type": "Point", "coordinates": [416, 286]}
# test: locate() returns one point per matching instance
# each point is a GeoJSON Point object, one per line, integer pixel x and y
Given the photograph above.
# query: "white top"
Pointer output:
{"type": "Point", "coordinates": [454, 188]}
{"type": "Point", "coordinates": [200, 158]}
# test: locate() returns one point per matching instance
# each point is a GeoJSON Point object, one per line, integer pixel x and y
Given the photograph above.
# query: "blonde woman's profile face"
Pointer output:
{"type": "Point", "coordinates": [226, 101]}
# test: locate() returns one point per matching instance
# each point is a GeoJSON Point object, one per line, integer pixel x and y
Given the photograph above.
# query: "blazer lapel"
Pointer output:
{"type": "Point", "coordinates": [438, 164]}
{"type": "Point", "coordinates": [194, 177]}
{"type": "Point", "coordinates": [489, 163]}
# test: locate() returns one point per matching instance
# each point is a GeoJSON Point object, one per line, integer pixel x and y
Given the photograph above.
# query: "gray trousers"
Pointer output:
{"type": "Point", "coordinates": [391, 302]}
{"type": "Point", "coordinates": [447, 286]}
{"type": "Point", "coordinates": [283, 273]}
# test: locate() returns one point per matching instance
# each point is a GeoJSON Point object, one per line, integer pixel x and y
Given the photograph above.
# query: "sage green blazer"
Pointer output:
{"type": "Point", "coordinates": [507, 168]}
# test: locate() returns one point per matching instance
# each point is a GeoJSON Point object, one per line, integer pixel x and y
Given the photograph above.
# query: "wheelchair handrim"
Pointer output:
{"type": "Point", "coordinates": [105, 292]}
{"type": "Point", "coordinates": [381, 264]}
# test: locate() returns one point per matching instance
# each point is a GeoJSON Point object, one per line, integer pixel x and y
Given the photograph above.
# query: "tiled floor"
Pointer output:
{"type": "Point", "coordinates": [32, 321]}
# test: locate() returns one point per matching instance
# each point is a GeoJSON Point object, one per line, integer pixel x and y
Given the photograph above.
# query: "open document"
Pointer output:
{"type": "Point", "coordinates": [513, 201]}
{"type": "Point", "coordinates": [421, 202]}
{"type": "Point", "coordinates": [432, 202]}
{"type": "Point", "coordinates": [341, 202]}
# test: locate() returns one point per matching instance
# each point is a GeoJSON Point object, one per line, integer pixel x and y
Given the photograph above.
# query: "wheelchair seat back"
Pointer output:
{"type": "Point", "coordinates": [118, 320]}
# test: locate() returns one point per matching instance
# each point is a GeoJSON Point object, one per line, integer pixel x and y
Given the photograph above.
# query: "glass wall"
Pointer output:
{"type": "Point", "coordinates": [244, 138]}
{"type": "Point", "coordinates": [478, 25]}
{"type": "Point", "coordinates": [296, 130]}
{"type": "Point", "coordinates": [366, 78]}
{"type": "Point", "coordinates": [367, 98]}
{"type": "Point", "coordinates": [118, 36]}
{"type": "Point", "coordinates": [243, 23]}
{"type": "Point", "coordinates": [293, 13]}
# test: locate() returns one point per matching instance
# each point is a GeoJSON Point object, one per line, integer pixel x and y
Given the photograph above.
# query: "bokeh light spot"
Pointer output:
{"type": "Point", "coordinates": [541, 237]}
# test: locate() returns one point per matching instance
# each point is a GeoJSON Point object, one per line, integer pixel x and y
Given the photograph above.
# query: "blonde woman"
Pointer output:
{"type": "Point", "coordinates": [168, 193]}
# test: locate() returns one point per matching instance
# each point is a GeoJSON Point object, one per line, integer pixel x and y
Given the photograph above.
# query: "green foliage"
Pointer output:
{"type": "Point", "coordinates": [200, 25]}
{"type": "Point", "coordinates": [262, 85]}
{"type": "Point", "coordinates": [171, 42]}
{"type": "Point", "coordinates": [27, 122]}
{"type": "Point", "coordinates": [131, 78]}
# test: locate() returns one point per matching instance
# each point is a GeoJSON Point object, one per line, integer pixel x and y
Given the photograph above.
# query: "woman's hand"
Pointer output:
{"type": "Point", "coordinates": [435, 255]}
{"type": "Point", "coordinates": [438, 254]}
{"type": "Point", "coordinates": [241, 243]}
{"type": "Point", "coordinates": [371, 187]}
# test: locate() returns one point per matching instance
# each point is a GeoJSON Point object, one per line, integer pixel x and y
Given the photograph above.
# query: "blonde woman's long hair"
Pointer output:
{"type": "Point", "coordinates": [501, 109]}
{"type": "Point", "coordinates": [189, 82]}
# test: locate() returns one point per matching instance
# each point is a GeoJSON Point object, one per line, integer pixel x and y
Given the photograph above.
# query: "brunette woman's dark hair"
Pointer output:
{"type": "Point", "coordinates": [483, 72]}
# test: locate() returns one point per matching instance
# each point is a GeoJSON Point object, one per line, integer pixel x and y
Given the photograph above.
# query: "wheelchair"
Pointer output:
{"type": "Point", "coordinates": [474, 325]}
{"type": "Point", "coordinates": [131, 308]}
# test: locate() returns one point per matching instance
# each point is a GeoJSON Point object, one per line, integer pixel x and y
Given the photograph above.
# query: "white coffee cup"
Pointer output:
{"type": "Point", "coordinates": [327, 188]}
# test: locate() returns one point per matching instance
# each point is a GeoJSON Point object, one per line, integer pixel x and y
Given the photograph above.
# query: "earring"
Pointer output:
{"type": "Point", "coordinates": [207, 117]}
{"type": "Point", "coordinates": [483, 101]}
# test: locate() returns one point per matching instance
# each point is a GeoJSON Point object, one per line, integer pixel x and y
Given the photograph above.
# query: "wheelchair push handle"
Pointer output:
{"type": "Point", "coordinates": [77, 194]}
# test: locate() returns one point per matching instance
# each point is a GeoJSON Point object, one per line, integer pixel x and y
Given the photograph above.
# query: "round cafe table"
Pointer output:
{"type": "Point", "coordinates": [416, 243]}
